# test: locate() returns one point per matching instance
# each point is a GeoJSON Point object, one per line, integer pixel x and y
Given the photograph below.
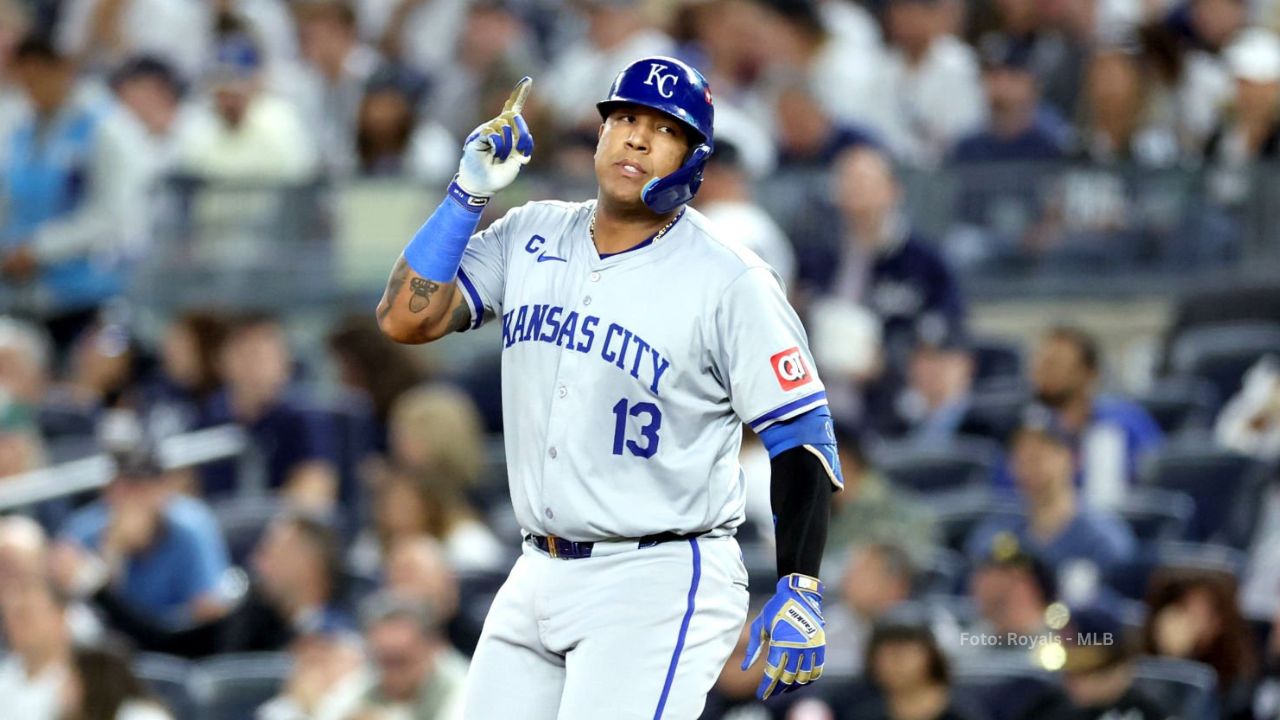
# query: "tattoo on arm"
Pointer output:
{"type": "Point", "coordinates": [399, 274]}
{"type": "Point", "coordinates": [461, 318]}
{"type": "Point", "coordinates": [422, 290]}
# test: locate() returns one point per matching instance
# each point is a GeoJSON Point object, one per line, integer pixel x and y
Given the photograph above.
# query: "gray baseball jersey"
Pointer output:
{"type": "Point", "coordinates": [625, 378]}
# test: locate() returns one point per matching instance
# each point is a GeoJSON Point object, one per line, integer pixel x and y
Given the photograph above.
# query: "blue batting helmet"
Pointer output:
{"type": "Point", "coordinates": [677, 89]}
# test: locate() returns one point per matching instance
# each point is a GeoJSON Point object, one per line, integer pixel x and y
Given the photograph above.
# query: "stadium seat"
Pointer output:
{"type": "Point", "coordinates": [1154, 514]}
{"type": "Point", "coordinates": [956, 518]}
{"type": "Point", "coordinates": [233, 687]}
{"type": "Point", "coordinates": [997, 362]}
{"type": "Point", "coordinates": [169, 679]}
{"type": "Point", "coordinates": [1182, 404]}
{"type": "Point", "coordinates": [1222, 353]}
{"type": "Point", "coordinates": [1225, 486]}
{"type": "Point", "coordinates": [1185, 688]}
{"type": "Point", "coordinates": [476, 591]}
{"type": "Point", "coordinates": [242, 521]}
{"type": "Point", "coordinates": [964, 464]}
{"type": "Point", "coordinates": [995, 413]}
{"type": "Point", "coordinates": [944, 574]}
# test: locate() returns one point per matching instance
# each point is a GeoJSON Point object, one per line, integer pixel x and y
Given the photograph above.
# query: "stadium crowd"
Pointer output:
{"type": "Point", "coordinates": [1017, 538]}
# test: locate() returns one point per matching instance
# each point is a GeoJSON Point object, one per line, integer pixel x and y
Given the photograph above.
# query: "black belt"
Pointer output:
{"type": "Point", "coordinates": [558, 547]}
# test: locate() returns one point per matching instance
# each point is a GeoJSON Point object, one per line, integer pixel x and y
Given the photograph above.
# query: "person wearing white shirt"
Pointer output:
{"type": "Point", "coordinates": [937, 95]}
{"type": "Point", "coordinates": [38, 663]}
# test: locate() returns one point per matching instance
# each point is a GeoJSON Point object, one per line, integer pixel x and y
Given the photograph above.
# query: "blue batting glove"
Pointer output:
{"type": "Point", "coordinates": [791, 624]}
{"type": "Point", "coordinates": [494, 152]}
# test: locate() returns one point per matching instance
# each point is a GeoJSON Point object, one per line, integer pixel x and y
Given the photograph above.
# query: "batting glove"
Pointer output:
{"type": "Point", "coordinates": [791, 626]}
{"type": "Point", "coordinates": [495, 151]}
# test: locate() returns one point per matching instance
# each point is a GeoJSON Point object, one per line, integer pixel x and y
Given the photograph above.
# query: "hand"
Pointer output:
{"type": "Point", "coordinates": [792, 627]}
{"type": "Point", "coordinates": [20, 263]}
{"type": "Point", "coordinates": [130, 529]}
{"type": "Point", "coordinates": [488, 161]}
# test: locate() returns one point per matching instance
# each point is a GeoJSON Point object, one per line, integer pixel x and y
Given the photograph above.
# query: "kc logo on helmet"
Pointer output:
{"type": "Point", "coordinates": [659, 79]}
{"type": "Point", "coordinates": [790, 368]}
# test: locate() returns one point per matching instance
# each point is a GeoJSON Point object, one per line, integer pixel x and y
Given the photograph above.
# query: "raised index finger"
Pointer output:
{"type": "Point", "coordinates": [515, 103]}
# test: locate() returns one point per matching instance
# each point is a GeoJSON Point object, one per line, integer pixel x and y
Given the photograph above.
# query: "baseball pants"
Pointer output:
{"type": "Point", "coordinates": [641, 634]}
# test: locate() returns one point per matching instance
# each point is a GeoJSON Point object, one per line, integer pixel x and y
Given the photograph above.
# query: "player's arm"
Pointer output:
{"type": "Point", "coordinates": [421, 302]}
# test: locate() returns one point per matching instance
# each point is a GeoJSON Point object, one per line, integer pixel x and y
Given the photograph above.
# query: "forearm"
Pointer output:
{"type": "Point", "coordinates": [415, 310]}
{"type": "Point", "coordinates": [801, 496]}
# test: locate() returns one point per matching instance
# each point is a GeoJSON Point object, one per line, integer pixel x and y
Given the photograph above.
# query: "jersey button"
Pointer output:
{"type": "Point", "coordinates": [548, 513]}
{"type": "Point", "coordinates": [563, 391]}
{"type": "Point", "coordinates": [552, 453]}
{"type": "Point", "coordinates": [586, 300]}
{"type": "Point", "coordinates": [595, 277]}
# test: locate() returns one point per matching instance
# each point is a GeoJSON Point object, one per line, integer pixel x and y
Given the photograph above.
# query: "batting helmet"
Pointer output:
{"type": "Point", "coordinates": [677, 89]}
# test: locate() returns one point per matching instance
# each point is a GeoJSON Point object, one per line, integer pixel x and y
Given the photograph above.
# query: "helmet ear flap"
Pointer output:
{"type": "Point", "coordinates": [664, 194]}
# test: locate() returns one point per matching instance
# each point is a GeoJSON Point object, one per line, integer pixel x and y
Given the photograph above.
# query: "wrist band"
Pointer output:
{"type": "Point", "coordinates": [435, 252]}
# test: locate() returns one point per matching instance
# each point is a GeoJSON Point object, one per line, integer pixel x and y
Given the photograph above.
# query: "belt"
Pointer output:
{"type": "Point", "coordinates": [558, 547]}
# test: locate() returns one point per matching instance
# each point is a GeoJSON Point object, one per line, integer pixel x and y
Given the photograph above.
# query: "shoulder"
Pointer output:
{"type": "Point", "coordinates": [721, 258]}
{"type": "Point", "coordinates": [192, 518]}
{"type": "Point", "coordinates": [1122, 411]}
{"type": "Point", "coordinates": [545, 215]}
{"type": "Point", "coordinates": [85, 524]}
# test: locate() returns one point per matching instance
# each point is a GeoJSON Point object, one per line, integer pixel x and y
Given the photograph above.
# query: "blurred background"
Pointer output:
{"type": "Point", "coordinates": [1034, 242]}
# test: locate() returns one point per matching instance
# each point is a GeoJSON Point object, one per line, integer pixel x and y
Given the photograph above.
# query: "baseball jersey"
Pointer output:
{"type": "Point", "coordinates": [625, 378]}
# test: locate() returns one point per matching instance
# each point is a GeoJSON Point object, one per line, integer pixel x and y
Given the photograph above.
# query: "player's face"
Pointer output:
{"type": "Point", "coordinates": [636, 145]}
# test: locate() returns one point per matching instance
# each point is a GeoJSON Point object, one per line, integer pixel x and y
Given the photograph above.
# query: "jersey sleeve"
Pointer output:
{"type": "Point", "coordinates": [482, 276]}
{"type": "Point", "coordinates": [763, 355]}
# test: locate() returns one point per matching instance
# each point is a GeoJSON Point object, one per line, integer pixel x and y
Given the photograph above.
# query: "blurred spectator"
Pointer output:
{"type": "Point", "coordinates": [103, 687]}
{"type": "Point", "coordinates": [808, 137]}
{"type": "Point", "coordinates": [38, 658]}
{"type": "Point", "coordinates": [102, 370]}
{"type": "Point", "coordinates": [1078, 543]}
{"type": "Point", "coordinates": [103, 33]}
{"type": "Point", "coordinates": [1205, 86]}
{"type": "Point", "coordinates": [26, 362]}
{"type": "Point", "coordinates": [1110, 434]}
{"type": "Point", "coordinates": [797, 41]}
{"type": "Point", "coordinates": [294, 589]}
{"type": "Point", "coordinates": [494, 50]}
{"type": "Point", "coordinates": [420, 33]}
{"type": "Point", "coordinates": [188, 374]}
{"type": "Point", "coordinates": [1119, 126]}
{"type": "Point", "coordinates": [1252, 131]}
{"type": "Point", "coordinates": [871, 510]}
{"type": "Point", "coordinates": [162, 552]}
{"type": "Point", "coordinates": [1054, 56]}
{"type": "Point", "coordinates": [15, 23]}
{"type": "Point", "coordinates": [327, 678]}
{"type": "Point", "coordinates": [618, 32]}
{"type": "Point", "coordinates": [1250, 422]}
{"type": "Point", "coordinates": [1019, 127]}
{"type": "Point", "coordinates": [417, 570]}
{"type": "Point", "coordinates": [939, 388]}
{"type": "Point", "coordinates": [390, 142]}
{"type": "Point", "coordinates": [906, 666]}
{"type": "Point", "coordinates": [290, 448]}
{"type": "Point", "coordinates": [329, 84]}
{"type": "Point", "coordinates": [1098, 671]}
{"type": "Point", "coordinates": [21, 447]}
{"type": "Point", "coordinates": [417, 673]}
{"type": "Point", "coordinates": [1012, 590]}
{"type": "Point", "coordinates": [153, 93]}
{"type": "Point", "coordinates": [371, 364]}
{"type": "Point", "coordinates": [725, 198]}
{"type": "Point", "coordinates": [1194, 614]}
{"type": "Point", "coordinates": [933, 79]}
{"type": "Point", "coordinates": [436, 428]}
{"type": "Point", "coordinates": [23, 553]}
{"type": "Point", "coordinates": [75, 194]}
{"type": "Point", "coordinates": [409, 505]}
{"type": "Point", "coordinates": [878, 260]}
{"type": "Point", "coordinates": [876, 578]}
{"type": "Point", "coordinates": [246, 133]}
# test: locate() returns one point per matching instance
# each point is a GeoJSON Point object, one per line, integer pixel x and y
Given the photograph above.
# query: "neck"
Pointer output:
{"type": "Point", "coordinates": [1050, 514]}
{"type": "Point", "coordinates": [870, 229]}
{"type": "Point", "coordinates": [923, 703]}
{"type": "Point", "coordinates": [1076, 411]}
{"type": "Point", "coordinates": [618, 230]}
{"type": "Point", "coordinates": [1012, 123]}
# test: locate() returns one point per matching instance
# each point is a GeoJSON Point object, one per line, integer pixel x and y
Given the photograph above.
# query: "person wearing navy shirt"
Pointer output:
{"type": "Point", "coordinates": [1077, 542]}
{"type": "Point", "coordinates": [162, 552]}
{"type": "Point", "coordinates": [290, 446]}
{"type": "Point", "coordinates": [1110, 434]}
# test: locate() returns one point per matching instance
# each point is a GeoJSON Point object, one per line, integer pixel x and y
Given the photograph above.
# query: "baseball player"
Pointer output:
{"type": "Point", "coordinates": [635, 343]}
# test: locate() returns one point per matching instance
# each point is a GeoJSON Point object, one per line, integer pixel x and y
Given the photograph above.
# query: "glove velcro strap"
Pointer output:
{"type": "Point", "coordinates": [804, 583]}
{"type": "Point", "coordinates": [474, 203]}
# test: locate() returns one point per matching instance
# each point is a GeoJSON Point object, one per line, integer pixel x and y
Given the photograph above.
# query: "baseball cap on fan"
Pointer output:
{"type": "Point", "coordinates": [1254, 56]}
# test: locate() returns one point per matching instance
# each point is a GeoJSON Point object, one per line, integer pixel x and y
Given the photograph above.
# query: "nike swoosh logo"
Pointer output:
{"type": "Point", "coordinates": [545, 258]}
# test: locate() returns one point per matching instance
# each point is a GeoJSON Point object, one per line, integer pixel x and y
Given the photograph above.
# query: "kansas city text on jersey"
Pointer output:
{"type": "Point", "coordinates": [619, 346]}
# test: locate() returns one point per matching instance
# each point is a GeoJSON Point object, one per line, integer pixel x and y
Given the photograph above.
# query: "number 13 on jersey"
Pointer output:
{"type": "Point", "coordinates": [650, 418]}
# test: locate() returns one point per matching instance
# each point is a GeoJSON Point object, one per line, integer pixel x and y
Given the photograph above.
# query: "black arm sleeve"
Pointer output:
{"type": "Point", "coordinates": [800, 492]}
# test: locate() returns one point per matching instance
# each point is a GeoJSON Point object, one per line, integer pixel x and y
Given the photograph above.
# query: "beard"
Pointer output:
{"type": "Point", "coordinates": [1056, 399]}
